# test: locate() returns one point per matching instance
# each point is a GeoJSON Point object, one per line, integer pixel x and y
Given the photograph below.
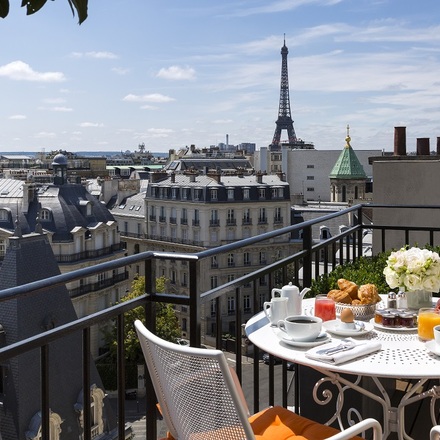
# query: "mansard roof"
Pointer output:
{"type": "Point", "coordinates": [69, 206]}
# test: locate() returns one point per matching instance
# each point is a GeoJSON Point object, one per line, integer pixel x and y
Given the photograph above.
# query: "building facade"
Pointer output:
{"type": "Point", "coordinates": [190, 212]}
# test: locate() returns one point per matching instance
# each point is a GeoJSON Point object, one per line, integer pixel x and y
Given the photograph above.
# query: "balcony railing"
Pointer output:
{"type": "Point", "coordinates": [339, 249]}
{"type": "Point", "coordinates": [85, 255]}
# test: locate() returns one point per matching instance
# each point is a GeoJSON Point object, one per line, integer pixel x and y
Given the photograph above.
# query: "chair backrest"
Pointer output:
{"type": "Point", "coordinates": [197, 393]}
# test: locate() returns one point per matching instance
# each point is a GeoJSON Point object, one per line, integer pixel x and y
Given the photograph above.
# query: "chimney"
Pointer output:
{"type": "Point", "coordinates": [399, 141]}
{"type": "Point", "coordinates": [192, 177]}
{"type": "Point", "coordinates": [423, 147]}
{"type": "Point", "coordinates": [215, 174]}
{"type": "Point", "coordinates": [157, 176]}
{"type": "Point", "coordinates": [281, 176]}
{"type": "Point", "coordinates": [173, 177]}
{"type": "Point", "coordinates": [438, 145]}
{"type": "Point", "coordinates": [259, 177]}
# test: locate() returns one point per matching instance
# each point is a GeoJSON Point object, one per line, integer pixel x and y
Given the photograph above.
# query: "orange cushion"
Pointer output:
{"type": "Point", "coordinates": [279, 423]}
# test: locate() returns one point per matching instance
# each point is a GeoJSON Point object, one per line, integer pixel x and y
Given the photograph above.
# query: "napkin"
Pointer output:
{"type": "Point", "coordinates": [359, 348]}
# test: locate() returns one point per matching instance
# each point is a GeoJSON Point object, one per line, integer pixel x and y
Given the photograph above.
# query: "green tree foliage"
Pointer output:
{"type": "Point", "coordinates": [364, 270]}
{"type": "Point", "coordinates": [167, 325]}
{"type": "Point", "coordinates": [33, 6]}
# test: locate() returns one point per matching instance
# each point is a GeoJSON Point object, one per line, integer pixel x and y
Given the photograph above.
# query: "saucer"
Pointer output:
{"type": "Point", "coordinates": [360, 329]}
{"type": "Point", "coordinates": [322, 338]}
{"type": "Point", "coordinates": [433, 347]}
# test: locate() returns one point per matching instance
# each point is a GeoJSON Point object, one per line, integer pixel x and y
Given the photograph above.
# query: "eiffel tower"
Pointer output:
{"type": "Point", "coordinates": [284, 121]}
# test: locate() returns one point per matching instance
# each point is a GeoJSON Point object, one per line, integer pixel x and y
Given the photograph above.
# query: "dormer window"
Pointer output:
{"type": "Point", "coordinates": [4, 215]}
{"type": "Point", "coordinates": [45, 214]}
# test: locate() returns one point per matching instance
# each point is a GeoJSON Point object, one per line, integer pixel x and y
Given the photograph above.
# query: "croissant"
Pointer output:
{"type": "Point", "coordinates": [339, 296]}
{"type": "Point", "coordinates": [349, 287]}
{"type": "Point", "coordinates": [368, 294]}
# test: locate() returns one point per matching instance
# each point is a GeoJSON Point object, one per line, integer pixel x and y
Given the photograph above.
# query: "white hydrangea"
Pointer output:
{"type": "Point", "coordinates": [413, 269]}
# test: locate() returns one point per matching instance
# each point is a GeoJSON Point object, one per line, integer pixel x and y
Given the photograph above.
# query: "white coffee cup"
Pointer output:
{"type": "Point", "coordinates": [437, 335]}
{"type": "Point", "coordinates": [301, 328]}
{"type": "Point", "coordinates": [275, 309]}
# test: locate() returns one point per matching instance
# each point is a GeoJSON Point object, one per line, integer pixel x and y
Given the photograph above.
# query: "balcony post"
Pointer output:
{"type": "Point", "coordinates": [194, 303]}
{"type": "Point", "coordinates": [307, 261]}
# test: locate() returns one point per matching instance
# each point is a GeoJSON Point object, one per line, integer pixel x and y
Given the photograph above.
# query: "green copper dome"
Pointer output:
{"type": "Point", "coordinates": [348, 166]}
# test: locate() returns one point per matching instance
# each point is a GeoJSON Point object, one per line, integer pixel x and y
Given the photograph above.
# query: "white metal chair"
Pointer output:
{"type": "Point", "coordinates": [200, 398]}
{"type": "Point", "coordinates": [435, 433]}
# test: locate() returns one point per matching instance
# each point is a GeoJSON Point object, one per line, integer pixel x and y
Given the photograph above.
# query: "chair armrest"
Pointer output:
{"type": "Point", "coordinates": [358, 428]}
{"type": "Point", "coordinates": [435, 433]}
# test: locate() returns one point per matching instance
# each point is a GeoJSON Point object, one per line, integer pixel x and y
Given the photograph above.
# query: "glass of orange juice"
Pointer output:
{"type": "Point", "coordinates": [428, 318]}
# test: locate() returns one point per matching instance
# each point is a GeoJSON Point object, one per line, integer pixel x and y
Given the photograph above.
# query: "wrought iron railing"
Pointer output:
{"type": "Point", "coordinates": [314, 257]}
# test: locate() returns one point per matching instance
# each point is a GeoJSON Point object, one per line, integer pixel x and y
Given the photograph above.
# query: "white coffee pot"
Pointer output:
{"type": "Point", "coordinates": [294, 296]}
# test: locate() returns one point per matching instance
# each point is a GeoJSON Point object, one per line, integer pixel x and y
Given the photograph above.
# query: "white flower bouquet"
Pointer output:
{"type": "Point", "coordinates": [413, 269]}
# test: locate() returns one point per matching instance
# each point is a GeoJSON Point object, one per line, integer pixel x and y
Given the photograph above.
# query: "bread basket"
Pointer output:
{"type": "Point", "coordinates": [362, 312]}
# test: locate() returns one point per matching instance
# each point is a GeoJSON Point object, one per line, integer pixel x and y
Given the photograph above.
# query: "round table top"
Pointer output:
{"type": "Point", "coordinates": [403, 355]}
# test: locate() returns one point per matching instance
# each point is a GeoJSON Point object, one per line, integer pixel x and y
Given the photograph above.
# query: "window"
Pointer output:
{"type": "Point", "coordinates": [173, 277]}
{"type": "Point", "coordinates": [139, 229]}
{"type": "Point", "coordinates": [174, 193]}
{"type": "Point", "coordinates": [213, 307]}
{"type": "Point", "coordinates": [310, 177]}
{"type": "Point", "coordinates": [184, 279]}
{"type": "Point", "coordinates": [231, 304]}
{"type": "Point", "coordinates": [262, 217]}
{"type": "Point", "coordinates": [196, 234]}
{"type": "Point", "coordinates": [263, 281]}
{"type": "Point", "coordinates": [173, 232]}
{"type": "Point", "coordinates": [246, 303]}
{"type": "Point", "coordinates": [230, 234]}
{"type": "Point", "coordinates": [230, 193]}
{"type": "Point", "coordinates": [214, 263]}
{"type": "Point", "coordinates": [185, 234]}
{"type": "Point", "coordinates": [2, 247]}
{"type": "Point", "coordinates": [246, 259]}
{"type": "Point", "coordinates": [246, 195]}
{"type": "Point", "coordinates": [231, 277]}
{"type": "Point", "coordinates": [214, 236]}
{"type": "Point", "coordinates": [184, 217]}
{"type": "Point", "coordinates": [262, 257]}
{"type": "Point", "coordinates": [262, 193]}
{"type": "Point", "coordinates": [214, 281]}
{"type": "Point", "coordinates": [213, 194]}
{"type": "Point", "coordinates": [247, 216]}
{"type": "Point", "coordinates": [231, 216]}
{"type": "Point", "coordinates": [278, 217]}
{"type": "Point", "coordinates": [214, 221]}
{"type": "Point", "coordinates": [45, 214]}
{"type": "Point", "coordinates": [184, 193]}
{"type": "Point", "coordinates": [196, 221]}
{"type": "Point", "coordinates": [311, 166]}
{"type": "Point", "coordinates": [197, 193]}
{"type": "Point", "coordinates": [310, 188]}
{"type": "Point", "coordinates": [4, 215]}
{"type": "Point", "coordinates": [231, 262]}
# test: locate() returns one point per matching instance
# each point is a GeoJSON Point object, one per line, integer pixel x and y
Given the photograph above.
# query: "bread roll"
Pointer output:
{"type": "Point", "coordinates": [368, 294]}
{"type": "Point", "coordinates": [339, 296]}
{"type": "Point", "coordinates": [349, 287]}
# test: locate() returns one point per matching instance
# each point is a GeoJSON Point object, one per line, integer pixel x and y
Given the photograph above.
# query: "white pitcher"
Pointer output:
{"type": "Point", "coordinates": [294, 296]}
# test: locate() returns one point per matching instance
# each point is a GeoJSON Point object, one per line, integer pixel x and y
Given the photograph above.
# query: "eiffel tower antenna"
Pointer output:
{"type": "Point", "coordinates": [284, 121]}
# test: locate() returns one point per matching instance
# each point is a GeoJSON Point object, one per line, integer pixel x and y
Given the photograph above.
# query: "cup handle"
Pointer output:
{"type": "Point", "coordinates": [266, 307]}
{"type": "Point", "coordinates": [281, 325]}
{"type": "Point", "coordinates": [275, 291]}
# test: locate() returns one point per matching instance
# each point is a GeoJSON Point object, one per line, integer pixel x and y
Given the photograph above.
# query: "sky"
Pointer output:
{"type": "Point", "coordinates": [172, 73]}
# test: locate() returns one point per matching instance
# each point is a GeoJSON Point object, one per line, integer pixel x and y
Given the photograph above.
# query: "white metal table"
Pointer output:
{"type": "Point", "coordinates": [403, 356]}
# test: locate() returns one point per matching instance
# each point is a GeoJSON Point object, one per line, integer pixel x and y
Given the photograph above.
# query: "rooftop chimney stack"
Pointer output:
{"type": "Point", "coordinates": [399, 141]}
{"type": "Point", "coordinates": [423, 147]}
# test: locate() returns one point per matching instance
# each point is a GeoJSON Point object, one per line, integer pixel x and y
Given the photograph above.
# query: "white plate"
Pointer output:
{"type": "Point", "coordinates": [321, 339]}
{"type": "Point", "coordinates": [393, 329]}
{"type": "Point", "coordinates": [333, 326]}
{"type": "Point", "coordinates": [433, 347]}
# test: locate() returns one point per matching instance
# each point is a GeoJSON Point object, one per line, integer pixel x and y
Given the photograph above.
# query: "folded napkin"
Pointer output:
{"type": "Point", "coordinates": [355, 349]}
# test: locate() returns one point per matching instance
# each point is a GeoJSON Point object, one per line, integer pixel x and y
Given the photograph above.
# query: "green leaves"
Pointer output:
{"type": "Point", "coordinates": [32, 6]}
{"type": "Point", "coordinates": [4, 8]}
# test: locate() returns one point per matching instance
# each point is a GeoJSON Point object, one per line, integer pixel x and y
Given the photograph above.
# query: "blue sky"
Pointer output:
{"type": "Point", "coordinates": [170, 73]}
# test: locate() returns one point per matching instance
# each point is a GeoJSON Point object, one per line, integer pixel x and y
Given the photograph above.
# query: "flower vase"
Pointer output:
{"type": "Point", "coordinates": [419, 298]}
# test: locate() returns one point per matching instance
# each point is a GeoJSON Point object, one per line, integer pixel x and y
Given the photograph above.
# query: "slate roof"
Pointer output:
{"type": "Point", "coordinates": [30, 315]}
{"type": "Point", "coordinates": [67, 204]}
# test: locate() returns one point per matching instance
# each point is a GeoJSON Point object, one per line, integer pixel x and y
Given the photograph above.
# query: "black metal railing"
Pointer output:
{"type": "Point", "coordinates": [336, 250]}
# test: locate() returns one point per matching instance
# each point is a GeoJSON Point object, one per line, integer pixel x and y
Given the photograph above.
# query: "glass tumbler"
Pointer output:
{"type": "Point", "coordinates": [325, 308]}
{"type": "Point", "coordinates": [427, 319]}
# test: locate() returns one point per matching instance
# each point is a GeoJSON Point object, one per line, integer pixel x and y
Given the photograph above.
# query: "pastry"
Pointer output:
{"type": "Point", "coordinates": [339, 296]}
{"type": "Point", "coordinates": [368, 294]}
{"type": "Point", "coordinates": [349, 287]}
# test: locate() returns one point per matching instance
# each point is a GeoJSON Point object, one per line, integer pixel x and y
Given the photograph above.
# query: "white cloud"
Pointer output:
{"type": "Point", "coordinates": [45, 134]}
{"type": "Point", "coordinates": [20, 71]}
{"type": "Point", "coordinates": [17, 117]}
{"type": "Point", "coordinates": [97, 55]}
{"type": "Point", "coordinates": [154, 97]}
{"type": "Point", "coordinates": [120, 70]}
{"type": "Point", "coordinates": [91, 124]}
{"type": "Point", "coordinates": [61, 109]}
{"type": "Point", "coordinates": [54, 100]}
{"type": "Point", "coordinates": [177, 73]}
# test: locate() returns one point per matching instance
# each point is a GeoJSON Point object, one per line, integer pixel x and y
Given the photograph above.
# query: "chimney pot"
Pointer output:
{"type": "Point", "coordinates": [399, 141]}
{"type": "Point", "coordinates": [423, 147]}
